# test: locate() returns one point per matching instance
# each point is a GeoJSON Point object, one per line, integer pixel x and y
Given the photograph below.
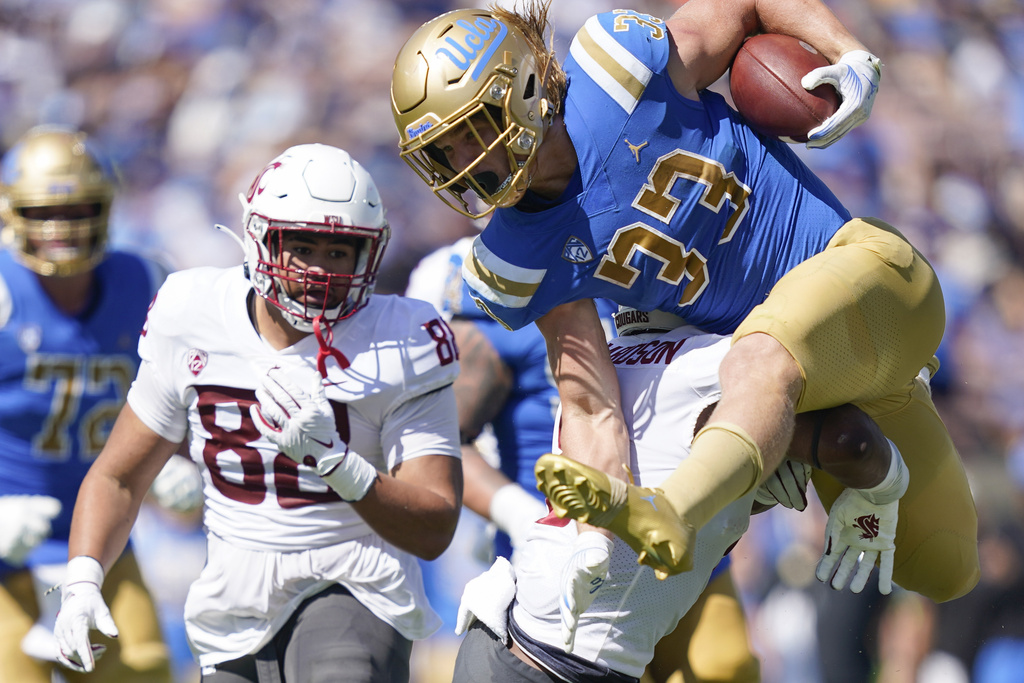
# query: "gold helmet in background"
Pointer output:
{"type": "Point", "coordinates": [470, 64]}
{"type": "Point", "coordinates": [55, 197]}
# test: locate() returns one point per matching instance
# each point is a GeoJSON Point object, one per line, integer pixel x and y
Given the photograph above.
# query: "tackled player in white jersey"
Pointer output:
{"type": "Point", "coordinates": [323, 419]}
{"type": "Point", "coordinates": [579, 606]}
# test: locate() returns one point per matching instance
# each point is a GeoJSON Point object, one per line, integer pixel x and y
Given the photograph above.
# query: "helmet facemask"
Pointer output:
{"type": "Point", "coordinates": [55, 202]}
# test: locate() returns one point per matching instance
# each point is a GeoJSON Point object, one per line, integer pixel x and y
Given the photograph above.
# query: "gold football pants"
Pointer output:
{"type": "Point", "coordinates": [711, 643]}
{"type": "Point", "coordinates": [138, 655]}
{"type": "Point", "coordinates": [862, 318]}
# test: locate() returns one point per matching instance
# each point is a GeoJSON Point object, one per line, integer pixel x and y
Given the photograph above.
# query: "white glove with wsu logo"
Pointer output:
{"type": "Point", "coordinates": [861, 530]}
{"type": "Point", "coordinates": [301, 424]}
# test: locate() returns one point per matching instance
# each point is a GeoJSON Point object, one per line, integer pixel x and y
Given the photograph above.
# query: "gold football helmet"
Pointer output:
{"type": "Point", "coordinates": [55, 197]}
{"type": "Point", "coordinates": [470, 67]}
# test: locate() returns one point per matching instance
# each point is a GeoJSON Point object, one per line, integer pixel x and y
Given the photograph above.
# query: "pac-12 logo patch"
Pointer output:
{"type": "Point", "coordinates": [576, 251]}
{"type": "Point", "coordinates": [196, 361]}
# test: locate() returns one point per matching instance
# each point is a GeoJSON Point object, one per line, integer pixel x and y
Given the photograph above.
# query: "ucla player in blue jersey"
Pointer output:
{"type": "Point", "coordinates": [70, 317]}
{"type": "Point", "coordinates": [620, 175]}
{"type": "Point", "coordinates": [505, 381]}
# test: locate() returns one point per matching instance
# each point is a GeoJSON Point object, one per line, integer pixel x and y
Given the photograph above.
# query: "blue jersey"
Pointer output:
{"type": "Point", "coordinates": [524, 426]}
{"type": "Point", "coordinates": [677, 204]}
{"type": "Point", "coordinates": [63, 380]}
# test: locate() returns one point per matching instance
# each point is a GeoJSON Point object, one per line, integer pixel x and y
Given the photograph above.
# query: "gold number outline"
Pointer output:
{"type": "Point", "coordinates": [71, 377]}
{"type": "Point", "coordinates": [654, 199]}
{"type": "Point", "coordinates": [720, 186]}
{"type": "Point", "coordinates": [655, 24]}
{"type": "Point", "coordinates": [677, 261]}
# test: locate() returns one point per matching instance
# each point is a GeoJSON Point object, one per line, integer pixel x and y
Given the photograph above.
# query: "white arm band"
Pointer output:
{"type": "Point", "coordinates": [347, 473]}
{"type": "Point", "coordinates": [83, 569]}
{"type": "Point", "coordinates": [895, 483]}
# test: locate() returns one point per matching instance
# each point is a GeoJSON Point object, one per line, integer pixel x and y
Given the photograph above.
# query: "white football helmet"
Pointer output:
{"type": "Point", "coordinates": [57, 170]}
{"type": "Point", "coordinates": [321, 189]}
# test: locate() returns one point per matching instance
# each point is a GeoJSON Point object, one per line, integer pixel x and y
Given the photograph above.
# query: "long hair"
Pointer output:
{"type": "Point", "coordinates": [531, 21]}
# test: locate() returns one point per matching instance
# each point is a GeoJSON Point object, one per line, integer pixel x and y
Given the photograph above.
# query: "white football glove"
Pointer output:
{"type": "Point", "coordinates": [179, 486]}
{"type": "Point", "coordinates": [515, 511]}
{"type": "Point", "coordinates": [82, 609]}
{"type": "Point", "coordinates": [856, 77]}
{"type": "Point", "coordinates": [487, 598]}
{"type": "Point", "coordinates": [301, 424]}
{"type": "Point", "coordinates": [861, 530]}
{"type": "Point", "coordinates": [582, 577]}
{"type": "Point", "coordinates": [26, 524]}
{"type": "Point", "coordinates": [786, 486]}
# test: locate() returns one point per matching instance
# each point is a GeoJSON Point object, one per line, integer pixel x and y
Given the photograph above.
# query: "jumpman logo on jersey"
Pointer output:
{"type": "Point", "coordinates": [650, 499]}
{"type": "Point", "coordinates": [635, 149]}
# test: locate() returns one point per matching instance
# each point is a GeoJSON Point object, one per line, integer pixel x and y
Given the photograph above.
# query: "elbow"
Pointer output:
{"type": "Point", "coordinates": [852, 448]}
{"type": "Point", "coordinates": [433, 544]}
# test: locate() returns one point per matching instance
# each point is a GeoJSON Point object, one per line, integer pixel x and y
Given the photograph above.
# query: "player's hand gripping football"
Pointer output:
{"type": "Point", "coordinates": [855, 76]}
{"type": "Point", "coordinates": [861, 531]}
{"type": "Point", "coordinates": [26, 524]}
{"type": "Point", "coordinates": [301, 424]}
{"type": "Point", "coordinates": [582, 577]}
{"type": "Point", "coordinates": [82, 609]}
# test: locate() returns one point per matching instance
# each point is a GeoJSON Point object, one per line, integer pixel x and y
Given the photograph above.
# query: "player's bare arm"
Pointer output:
{"type": "Point", "coordinates": [845, 443]}
{"type": "Point", "coordinates": [707, 33]}
{"type": "Point", "coordinates": [111, 493]}
{"type": "Point", "coordinates": [484, 381]}
{"type": "Point", "coordinates": [592, 430]}
{"type": "Point", "coordinates": [417, 507]}
{"type": "Point", "coordinates": [481, 389]}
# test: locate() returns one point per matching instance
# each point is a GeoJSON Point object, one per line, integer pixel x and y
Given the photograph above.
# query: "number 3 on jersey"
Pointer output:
{"type": "Point", "coordinates": [655, 200]}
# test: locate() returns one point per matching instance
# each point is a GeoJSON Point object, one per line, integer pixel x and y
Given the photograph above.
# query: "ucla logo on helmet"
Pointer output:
{"type": "Point", "coordinates": [576, 251]}
{"type": "Point", "coordinates": [421, 126]}
{"type": "Point", "coordinates": [482, 39]}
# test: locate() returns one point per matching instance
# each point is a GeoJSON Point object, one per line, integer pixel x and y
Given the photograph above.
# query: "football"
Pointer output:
{"type": "Point", "coordinates": [765, 84]}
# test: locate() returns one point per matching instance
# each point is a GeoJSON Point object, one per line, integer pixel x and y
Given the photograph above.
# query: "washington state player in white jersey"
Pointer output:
{"type": "Point", "coordinates": [582, 607]}
{"type": "Point", "coordinates": [323, 420]}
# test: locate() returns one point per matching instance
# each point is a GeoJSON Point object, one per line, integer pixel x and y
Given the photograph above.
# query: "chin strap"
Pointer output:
{"type": "Point", "coordinates": [325, 338]}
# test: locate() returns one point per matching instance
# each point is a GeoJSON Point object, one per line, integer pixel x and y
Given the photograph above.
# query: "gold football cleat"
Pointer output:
{"type": "Point", "coordinates": [640, 516]}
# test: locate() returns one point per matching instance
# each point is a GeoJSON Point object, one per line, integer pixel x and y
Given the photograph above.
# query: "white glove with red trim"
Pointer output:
{"type": "Point", "coordinates": [302, 425]}
{"type": "Point", "coordinates": [82, 609]}
{"type": "Point", "coordinates": [861, 531]}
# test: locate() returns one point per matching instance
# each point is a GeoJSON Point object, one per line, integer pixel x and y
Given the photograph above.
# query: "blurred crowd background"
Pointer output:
{"type": "Point", "coordinates": [191, 97]}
